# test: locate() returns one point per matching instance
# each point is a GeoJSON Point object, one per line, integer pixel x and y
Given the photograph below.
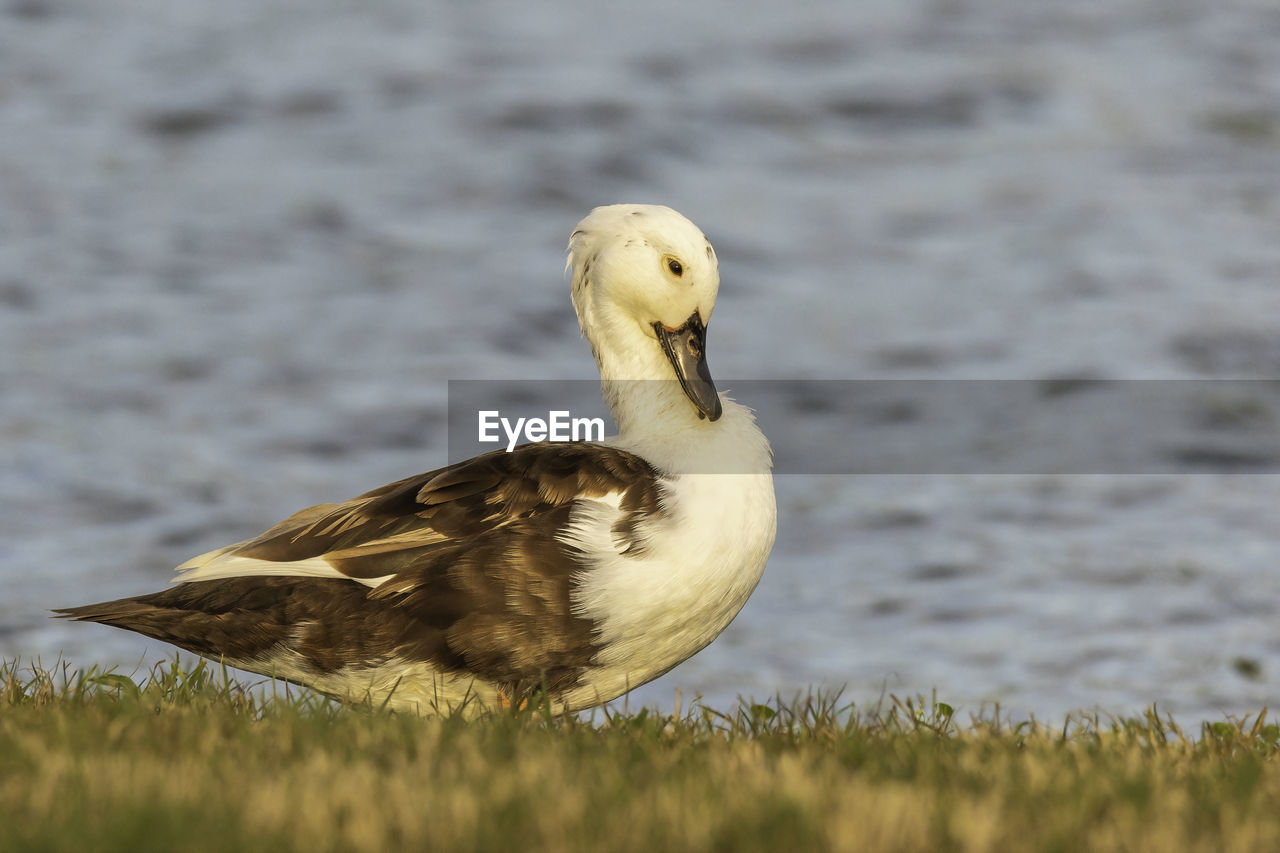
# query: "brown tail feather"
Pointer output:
{"type": "Point", "coordinates": [219, 619]}
{"type": "Point", "coordinates": [106, 612]}
{"type": "Point", "coordinates": [327, 623]}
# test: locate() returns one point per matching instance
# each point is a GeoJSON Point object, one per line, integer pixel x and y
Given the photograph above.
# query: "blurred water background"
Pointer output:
{"type": "Point", "coordinates": [245, 245]}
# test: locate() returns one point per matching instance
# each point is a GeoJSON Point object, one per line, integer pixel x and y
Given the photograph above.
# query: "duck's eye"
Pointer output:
{"type": "Point", "coordinates": [676, 268]}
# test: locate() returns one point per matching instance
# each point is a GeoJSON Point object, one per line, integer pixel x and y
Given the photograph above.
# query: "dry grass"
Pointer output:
{"type": "Point", "coordinates": [192, 761]}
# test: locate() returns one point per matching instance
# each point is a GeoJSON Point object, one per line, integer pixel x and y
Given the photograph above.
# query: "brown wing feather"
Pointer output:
{"type": "Point", "coordinates": [479, 584]}
{"type": "Point", "coordinates": [457, 503]}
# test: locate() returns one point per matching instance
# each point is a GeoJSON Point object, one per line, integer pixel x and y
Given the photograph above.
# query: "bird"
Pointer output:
{"type": "Point", "coordinates": [564, 572]}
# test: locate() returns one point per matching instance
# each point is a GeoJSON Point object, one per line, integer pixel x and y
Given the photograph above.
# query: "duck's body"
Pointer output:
{"type": "Point", "coordinates": [582, 569]}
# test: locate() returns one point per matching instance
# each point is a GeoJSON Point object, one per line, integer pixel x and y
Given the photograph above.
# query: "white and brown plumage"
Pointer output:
{"type": "Point", "coordinates": [585, 568]}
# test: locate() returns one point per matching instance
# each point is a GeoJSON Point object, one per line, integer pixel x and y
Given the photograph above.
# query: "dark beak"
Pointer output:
{"type": "Point", "coordinates": [686, 349]}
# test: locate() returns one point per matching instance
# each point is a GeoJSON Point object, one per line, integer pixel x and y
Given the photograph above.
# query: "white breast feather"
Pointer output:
{"type": "Point", "coordinates": [656, 609]}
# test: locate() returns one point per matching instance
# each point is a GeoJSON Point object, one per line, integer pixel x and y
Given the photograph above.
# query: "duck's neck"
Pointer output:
{"type": "Point", "coordinates": [658, 421]}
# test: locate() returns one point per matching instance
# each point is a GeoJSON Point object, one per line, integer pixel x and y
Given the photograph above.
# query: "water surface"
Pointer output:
{"type": "Point", "coordinates": [243, 248]}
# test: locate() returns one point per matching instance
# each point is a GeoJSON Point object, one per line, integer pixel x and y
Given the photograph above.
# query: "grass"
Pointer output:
{"type": "Point", "coordinates": [191, 760]}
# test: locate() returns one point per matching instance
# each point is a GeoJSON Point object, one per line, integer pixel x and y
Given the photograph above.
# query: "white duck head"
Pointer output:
{"type": "Point", "coordinates": [644, 286]}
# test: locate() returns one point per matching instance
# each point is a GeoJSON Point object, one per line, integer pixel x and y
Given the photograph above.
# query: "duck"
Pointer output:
{"type": "Point", "coordinates": [565, 572]}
